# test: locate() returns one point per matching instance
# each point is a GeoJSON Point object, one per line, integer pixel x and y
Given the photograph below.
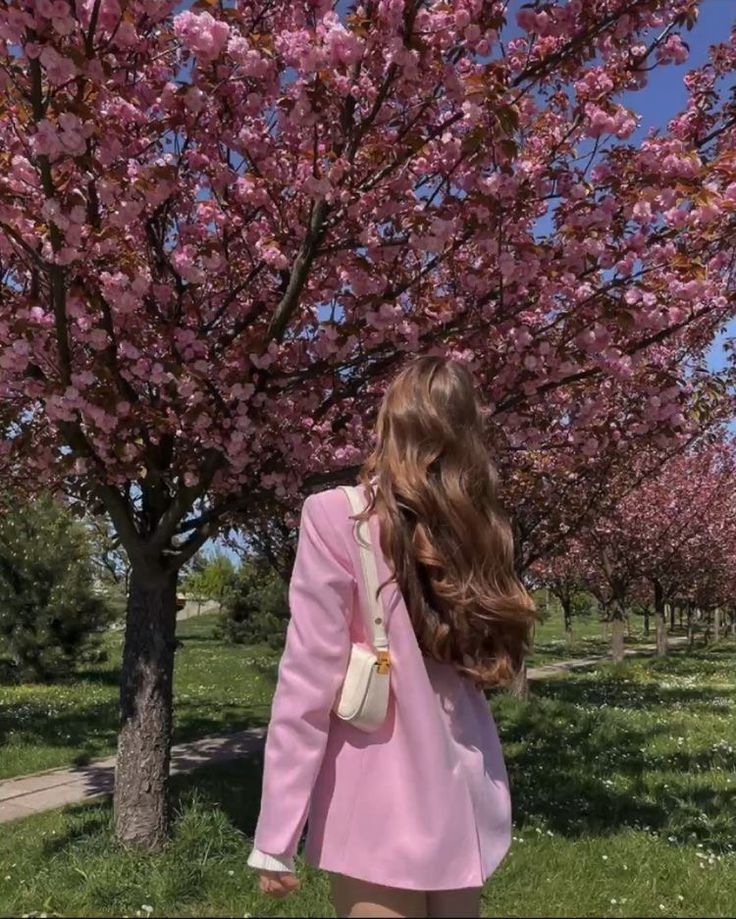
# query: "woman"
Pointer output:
{"type": "Point", "coordinates": [412, 819]}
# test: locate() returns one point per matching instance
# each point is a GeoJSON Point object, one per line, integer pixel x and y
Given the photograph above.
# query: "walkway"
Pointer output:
{"type": "Point", "coordinates": [548, 670]}
{"type": "Point", "coordinates": [43, 791]}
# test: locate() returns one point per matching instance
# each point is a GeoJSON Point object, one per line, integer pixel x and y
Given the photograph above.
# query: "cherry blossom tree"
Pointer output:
{"type": "Point", "coordinates": [222, 226]}
{"type": "Point", "coordinates": [669, 538]}
{"type": "Point", "coordinates": [565, 574]}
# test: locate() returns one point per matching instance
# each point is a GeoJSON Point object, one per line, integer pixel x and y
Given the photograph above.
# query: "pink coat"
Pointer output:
{"type": "Point", "coordinates": [424, 802]}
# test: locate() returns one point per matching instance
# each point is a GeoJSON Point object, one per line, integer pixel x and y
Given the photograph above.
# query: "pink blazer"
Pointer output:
{"type": "Point", "coordinates": [424, 802]}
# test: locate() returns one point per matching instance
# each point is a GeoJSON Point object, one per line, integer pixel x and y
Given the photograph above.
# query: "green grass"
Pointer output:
{"type": "Point", "coordinates": [217, 688]}
{"type": "Point", "coordinates": [624, 783]}
{"type": "Point", "coordinates": [590, 638]}
{"type": "Point", "coordinates": [551, 644]}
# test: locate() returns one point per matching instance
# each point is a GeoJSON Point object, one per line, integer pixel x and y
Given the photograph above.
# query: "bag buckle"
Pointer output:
{"type": "Point", "coordinates": [383, 664]}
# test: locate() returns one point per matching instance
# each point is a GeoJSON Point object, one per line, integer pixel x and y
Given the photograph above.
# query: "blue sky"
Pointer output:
{"type": "Point", "coordinates": [666, 95]}
{"type": "Point", "coordinates": [662, 98]}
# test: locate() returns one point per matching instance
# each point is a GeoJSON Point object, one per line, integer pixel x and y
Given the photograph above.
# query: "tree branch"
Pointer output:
{"type": "Point", "coordinates": [299, 272]}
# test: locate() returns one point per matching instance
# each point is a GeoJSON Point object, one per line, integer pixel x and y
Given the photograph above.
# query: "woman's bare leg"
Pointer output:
{"type": "Point", "coordinates": [359, 900]}
{"type": "Point", "coordinates": [462, 903]}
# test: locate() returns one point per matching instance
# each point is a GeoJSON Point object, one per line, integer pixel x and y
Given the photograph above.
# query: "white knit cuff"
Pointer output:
{"type": "Point", "coordinates": [263, 862]}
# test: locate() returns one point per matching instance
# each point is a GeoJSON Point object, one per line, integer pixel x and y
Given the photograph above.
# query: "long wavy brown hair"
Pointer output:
{"type": "Point", "coordinates": [443, 530]}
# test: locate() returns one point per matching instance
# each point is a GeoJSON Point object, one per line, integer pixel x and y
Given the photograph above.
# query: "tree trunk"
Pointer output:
{"type": "Point", "coordinates": [672, 617]}
{"type": "Point", "coordinates": [646, 621]}
{"type": "Point", "coordinates": [733, 623]}
{"type": "Point", "coordinates": [144, 745]}
{"type": "Point", "coordinates": [567, 617]}
{"type": "Point", "coordinates": [520, 686]}
{"type": "Point", "coordinates": [717, 623]}
{"type": "Point", "coordinates": [690, 628]}
{"type": "Point", "coordinates": [617, 639]}
{"type": "Point", "coordinates": [660, 621]}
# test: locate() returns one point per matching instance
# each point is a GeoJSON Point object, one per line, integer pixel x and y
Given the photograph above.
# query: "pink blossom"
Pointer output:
{"type": "Point", "coordinates": [673, 50]}
{"type": "Point", "coordinates": [185, 191]}
{"type": "Point", "coordinates": [183, 259]}
{"type": "Point", "coordinates": [202, 34]}
{"type": "Point", "coordinates": [58, 68]}
{"type": "Point", "coordinates": [98, 339]}
{"type": "Point", "coordinates": [642, 211]}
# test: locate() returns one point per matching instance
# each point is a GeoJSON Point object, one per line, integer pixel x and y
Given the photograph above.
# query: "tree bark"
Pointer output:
{"type": "Point", "coordinates": [567, 617]}
{"type": "Point", "coordinates": [717, 624]}
{"type": "Point", "coordinates": [144, 745]}
{"type": "Point", "coordinates": [660, 621]}
{"type": "Point", "coordinates": [520, 686]}
{"type": "Point", "coordinates": [690, 628]}
{"type": "Point", "coordinates": [617, 639]}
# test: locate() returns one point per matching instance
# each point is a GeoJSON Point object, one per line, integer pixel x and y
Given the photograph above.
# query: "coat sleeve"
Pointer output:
{"type": "Point", "coordinates": [311, 671]}
{"type": "Point", "coordinates": [262, 862]}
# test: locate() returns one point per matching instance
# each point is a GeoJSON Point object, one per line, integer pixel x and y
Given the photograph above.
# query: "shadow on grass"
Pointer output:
{"type": "Point", "coordinates": [232, 788]}
{"type": "Point", "coordinates": [199, 639]}
{"type": "Point", "coordinates": [625, 695]}
{"type": "Point", "coordinates": [228, 718]}
{"type": "Point", "coordinates": [88, 724]}
{"type": "Point", "coordinates": [72, 728]}
{"type": "Point", "coordinates": [104, 677]}
{"type": "Point", "coordinates": [574, 771]}
{"type": "Point", "coordinates": [64, 729]}
{"type": "Point", "coordinates": [560, 766]}
{"type": "Point", "coordinates": [579, 762]}
{"type": "Point", "coordinates": [567, 792]}
{"type": "Point", "coordinates": [578, 766]}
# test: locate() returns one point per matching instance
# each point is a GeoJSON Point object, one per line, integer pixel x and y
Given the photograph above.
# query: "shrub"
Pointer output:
{"type": "Point", "coordinates": [256, 607]}
{"type": "Point", "coordinates": [209, 577]}
{"type": "Point", "coordinates": [50, 609]}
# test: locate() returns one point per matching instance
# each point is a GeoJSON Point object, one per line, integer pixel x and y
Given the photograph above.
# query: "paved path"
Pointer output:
{"type": "Point", "coordinates": [548, 670]}
{"type": "Point", "coordinates": [43, 791]}
{"type": "Point", "coordinates": [46, 790]}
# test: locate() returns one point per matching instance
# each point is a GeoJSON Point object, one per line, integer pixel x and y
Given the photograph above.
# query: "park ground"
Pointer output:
{"type": "Point", "coordinates": [624, 782]}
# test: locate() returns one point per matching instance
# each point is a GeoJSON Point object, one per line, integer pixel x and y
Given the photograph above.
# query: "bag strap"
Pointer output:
{"type": "Point", "coordinates": [377, 626]}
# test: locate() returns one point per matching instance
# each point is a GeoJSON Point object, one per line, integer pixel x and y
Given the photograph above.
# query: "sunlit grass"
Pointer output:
{"type": "Point", "coordinates": [217, 687]}
{"type": "Point", "coordinates": [624, 783]}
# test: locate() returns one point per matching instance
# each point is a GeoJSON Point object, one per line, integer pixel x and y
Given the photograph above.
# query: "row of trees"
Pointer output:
{"type": "Point", "coordinates": [222, 224]}
{"type": "Point", "coordinates": [669, 542]}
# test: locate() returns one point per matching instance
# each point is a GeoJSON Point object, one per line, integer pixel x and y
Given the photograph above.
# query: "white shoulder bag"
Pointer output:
{"type": "Point", "coordinates": [363, 698]}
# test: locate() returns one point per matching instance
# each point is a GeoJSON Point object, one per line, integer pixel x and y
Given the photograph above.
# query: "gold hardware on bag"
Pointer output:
{"type": "Point", "coordinates": [383, 664]}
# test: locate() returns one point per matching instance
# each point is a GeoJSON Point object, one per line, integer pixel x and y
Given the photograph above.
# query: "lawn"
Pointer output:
{"type": "Point", "coordinates": [624, 782]}
{"type": "Point", "coordinates": [217, 688]}
{"type": "Point", "coordinates": [590, 637]}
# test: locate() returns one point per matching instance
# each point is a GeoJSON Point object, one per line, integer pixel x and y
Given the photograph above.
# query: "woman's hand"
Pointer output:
{"type": "Point", "coordinates": [277, 884]}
